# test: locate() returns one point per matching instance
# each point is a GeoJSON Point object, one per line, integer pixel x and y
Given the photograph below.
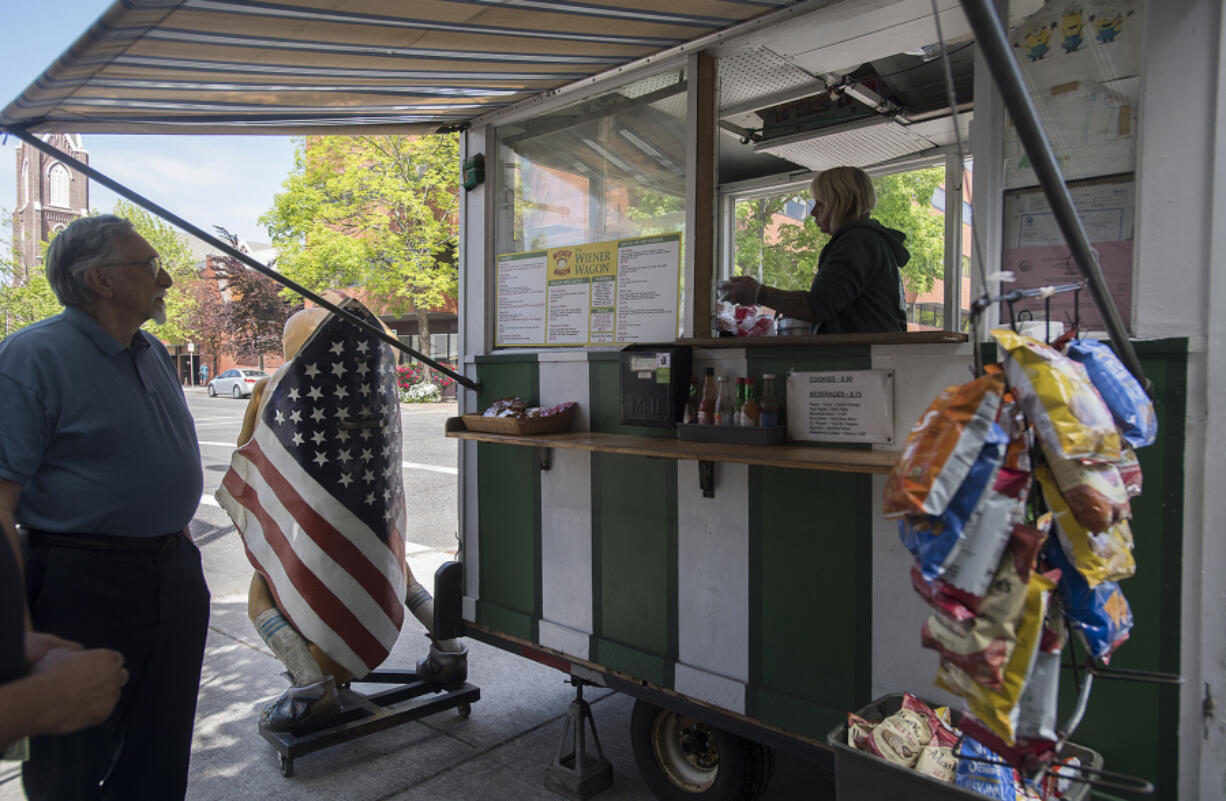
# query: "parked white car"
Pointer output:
{"type": "Point", "coordinates": [238, 382]}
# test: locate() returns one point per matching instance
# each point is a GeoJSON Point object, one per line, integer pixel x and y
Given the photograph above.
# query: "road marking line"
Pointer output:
{"type": "Point", "coordinates": [451, 471]}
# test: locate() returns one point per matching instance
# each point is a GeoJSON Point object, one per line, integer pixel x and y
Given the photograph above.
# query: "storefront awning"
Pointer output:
{"type": "Point", "coordinates": [315, 66]}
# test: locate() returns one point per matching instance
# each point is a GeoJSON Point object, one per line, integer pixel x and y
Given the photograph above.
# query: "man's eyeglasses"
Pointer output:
{"type": "Point", "coordinates": [154, 265]}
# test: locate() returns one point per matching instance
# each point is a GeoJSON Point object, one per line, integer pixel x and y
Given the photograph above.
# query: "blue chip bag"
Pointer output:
{"type": "Point", "coordinates": [1130, 406]}
{"type": "Point", "coordinates": [932, 539]}
{"type": "Point", "coordinates": [984, 772]}
{"type": "Point", "coordinates": [1100, 613]}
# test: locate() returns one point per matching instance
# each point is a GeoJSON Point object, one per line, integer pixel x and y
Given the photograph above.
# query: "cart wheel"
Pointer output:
{"type": "Point", "coordinates": [681, 759]}
{"type": "Point", "coordinates": [287, 765]}
{"type": "Point", "coordinates": [464, 709]}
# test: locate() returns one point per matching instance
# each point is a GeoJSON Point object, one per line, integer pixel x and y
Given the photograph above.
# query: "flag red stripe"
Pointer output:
{"type": "Point", "coordinates": [331, 541]}
{"type": "Point", "coordinates": [316, 594]}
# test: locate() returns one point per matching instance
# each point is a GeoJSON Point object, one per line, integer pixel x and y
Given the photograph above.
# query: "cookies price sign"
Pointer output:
{"type": "Point", "coordinates": [844, 406]}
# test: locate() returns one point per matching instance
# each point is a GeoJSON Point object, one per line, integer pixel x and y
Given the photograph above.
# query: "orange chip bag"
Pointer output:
{"type": "Point", "coordinates": [942, 446]}
{"type": "Point", "coordinates": [1058, 397]}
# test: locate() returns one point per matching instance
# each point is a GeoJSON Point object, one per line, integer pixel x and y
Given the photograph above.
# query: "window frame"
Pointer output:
{"type": "Point", "coordinates": [731, 193]}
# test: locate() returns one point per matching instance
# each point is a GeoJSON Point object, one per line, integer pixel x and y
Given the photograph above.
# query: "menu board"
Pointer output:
{"type": "Point", "coordinates": [846, 406]}
{"type": "Point", "coordinates": [604, 293]}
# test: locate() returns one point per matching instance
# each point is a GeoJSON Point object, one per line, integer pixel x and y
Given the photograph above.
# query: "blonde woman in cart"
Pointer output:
{"type": "Point", "coordinates": [858, 287]}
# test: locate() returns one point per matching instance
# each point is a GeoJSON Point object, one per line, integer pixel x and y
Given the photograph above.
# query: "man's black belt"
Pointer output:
{"type": "Point", "coordinates": [101, 542]}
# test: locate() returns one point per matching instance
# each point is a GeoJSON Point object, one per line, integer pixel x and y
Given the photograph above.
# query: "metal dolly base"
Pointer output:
{"type": "Point", "coordinates": [361, 714]}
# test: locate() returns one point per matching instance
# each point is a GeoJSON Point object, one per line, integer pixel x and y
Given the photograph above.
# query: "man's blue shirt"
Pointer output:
{"type": "Point", "coordinates": [98, 434]}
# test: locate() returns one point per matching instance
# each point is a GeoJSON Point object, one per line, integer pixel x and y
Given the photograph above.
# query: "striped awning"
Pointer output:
{"type": "Point", "coordinates": [312, 66]}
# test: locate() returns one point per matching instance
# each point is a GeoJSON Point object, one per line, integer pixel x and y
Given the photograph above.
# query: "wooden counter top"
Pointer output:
{"type": "Point", "coordinates": [804, 457]}
{"type": "Point", "coordinates": [889, 338]}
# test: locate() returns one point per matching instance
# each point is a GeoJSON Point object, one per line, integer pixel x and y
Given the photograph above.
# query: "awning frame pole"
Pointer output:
{"type": "Point", "coordinates": [235, 253]}
{"type": "Point", "coordinates": [990, 37]}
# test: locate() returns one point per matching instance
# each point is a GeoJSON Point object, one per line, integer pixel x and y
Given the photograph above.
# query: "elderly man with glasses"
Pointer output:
{"type": "Point", "coordinates": [100, 468]}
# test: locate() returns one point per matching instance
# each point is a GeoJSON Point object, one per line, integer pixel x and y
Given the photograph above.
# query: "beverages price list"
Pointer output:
{"type": "Point", "coordinates": [603, 293]}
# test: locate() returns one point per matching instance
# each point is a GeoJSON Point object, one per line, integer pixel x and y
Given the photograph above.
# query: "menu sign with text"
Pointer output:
{"type": "Point", "coordinates": [845, 406]}
{"type": "Point", "coordinates": [603, 293]}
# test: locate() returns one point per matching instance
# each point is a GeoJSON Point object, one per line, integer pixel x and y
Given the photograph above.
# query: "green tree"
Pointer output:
{"type": "Point", "coordinates": [789, 258]}
{"type": "Point", "coordinates": [23, 299]}
{"type": "Point", "coordinates": [378, 212]}
{"type": "Point", "coordinates": [257, 309]}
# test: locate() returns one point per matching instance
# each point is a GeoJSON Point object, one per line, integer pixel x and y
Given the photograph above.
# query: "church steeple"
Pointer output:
{"type": "Point", "coordinates": [49, 194]}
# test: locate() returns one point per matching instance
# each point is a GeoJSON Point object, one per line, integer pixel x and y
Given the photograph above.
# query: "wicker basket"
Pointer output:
{"type": "Point", "coordinates": [513, 425]}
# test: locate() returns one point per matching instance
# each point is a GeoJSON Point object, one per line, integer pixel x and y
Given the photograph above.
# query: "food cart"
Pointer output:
{"type": "Point", "coordinates": [750, 595]}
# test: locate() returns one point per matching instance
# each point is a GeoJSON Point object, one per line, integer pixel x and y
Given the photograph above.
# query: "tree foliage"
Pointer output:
{"type": "Point", "coordinates": [373, 211]}
{"type": "Point", "coordinates": [255, 310]}
{"type": "Point", "coordinates": [788, 257]}
{"type": "Point", "coordinates": [208, 318]}
{"type": "Point", "coordinates": [23, 300]}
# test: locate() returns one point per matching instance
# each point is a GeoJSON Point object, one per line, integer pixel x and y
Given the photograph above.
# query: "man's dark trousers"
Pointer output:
{"type": "Point", "coordinates": [153, 607]}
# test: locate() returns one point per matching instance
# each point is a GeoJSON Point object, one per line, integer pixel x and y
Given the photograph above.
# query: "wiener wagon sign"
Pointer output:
{"type": "Point", "coordinates": [602, 293]}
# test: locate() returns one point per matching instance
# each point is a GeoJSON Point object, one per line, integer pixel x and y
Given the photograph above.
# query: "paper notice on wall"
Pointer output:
{"type": "Point", "coordinates": [1081, 63]}
{"type": "Point", "coordinates": [1036, 253]}
{"type": "Point", "coordinates": [603, 293]}
{"type": "Point", "coordinates": [521, 299]}
{"type": "Point", "coordinates": [845, 406]}
{"type": "Point", "coordinates": [647, 289]}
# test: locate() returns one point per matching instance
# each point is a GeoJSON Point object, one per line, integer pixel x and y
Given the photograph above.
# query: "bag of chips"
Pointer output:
{"type": "Point", "coordinates": [1098, 556]}
{"type": "Point", "coordinates": [1094, 491]}
{"type": "Point", "coordinates": [970, 567]}
{"type": "Point", "coordinates": [981, 771]}
{"type": "Point", "coordinates": [998, 708]}
{"type": "Point", "coordinates": [981, 648]}
{"type": "Point", "coordinates": [1037, 711]}
{"type": "Point", "coordinates": [942, 447]}
{"type": "Point", "coordinates": [1099, 612]}
{"type": "Point", "coordinates": [1058, 398]}
{"type": "Point", "coordinates": [1130, 471]}
{"type": "Point", "coordinates": [1130, 406]}
{"type": "Point", "coordinates": [937, 759]}
{"type": "Point", "coordinates": [898, 738]}
{"type": "Point", "coordinates": [934, 539]}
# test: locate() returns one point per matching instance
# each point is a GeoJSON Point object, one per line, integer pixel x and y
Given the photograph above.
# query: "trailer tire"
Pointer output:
{"type": "Point", "coordinates": [681, 759]}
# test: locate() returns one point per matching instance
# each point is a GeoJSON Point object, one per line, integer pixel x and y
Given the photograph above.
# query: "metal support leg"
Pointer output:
{"type": "Point", "coordinates": [576, 773]}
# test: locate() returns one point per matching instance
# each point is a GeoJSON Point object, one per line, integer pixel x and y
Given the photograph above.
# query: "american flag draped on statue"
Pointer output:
{"type": "Point", "coordinates": [317, 493]}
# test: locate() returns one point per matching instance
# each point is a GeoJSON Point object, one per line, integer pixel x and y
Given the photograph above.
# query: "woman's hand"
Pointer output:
{"type": "Point", "coordinates": [741, 290]}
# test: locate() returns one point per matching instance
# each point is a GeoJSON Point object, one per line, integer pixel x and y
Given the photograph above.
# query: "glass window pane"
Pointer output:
{"type": "Point", "coordinates": [610, 167]}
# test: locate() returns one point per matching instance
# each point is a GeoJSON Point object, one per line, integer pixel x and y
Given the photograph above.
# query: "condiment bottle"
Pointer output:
{"type": "Point", "coordinates": [750, 411]}
{"type": "Point", "coordinates": [706, 405]}
{"type": "Point", "coordinates": [769, 404]}
{"type": "Point", "coordinates": [725, 404]}
{"type": "Point", "coordinates": [690, 414]}
{"type": "Point", "coordinates": [737, 420]}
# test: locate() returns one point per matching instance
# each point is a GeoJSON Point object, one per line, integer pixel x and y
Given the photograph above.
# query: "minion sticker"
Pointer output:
{"type": "Point", "coordinates": [1071, 24]}
{"type": "Point", "coordinates": [1107, 25]}
{"type": "Point", "coordinates": [1035, 41]}
{"type": "Point", "coordinates": [561, 264]}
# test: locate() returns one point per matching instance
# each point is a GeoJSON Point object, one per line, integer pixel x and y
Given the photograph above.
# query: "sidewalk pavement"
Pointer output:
{"type": "Point", "coordinates": [500, 752]}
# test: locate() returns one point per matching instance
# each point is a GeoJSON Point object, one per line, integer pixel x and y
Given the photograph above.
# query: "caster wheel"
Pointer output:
{"type": "Point", "coordinates": [465, 710]}
{"type": "Point", "coordinates": [287, 766]}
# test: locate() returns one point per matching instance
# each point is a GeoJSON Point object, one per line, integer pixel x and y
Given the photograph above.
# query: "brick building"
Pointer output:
{"type": "Point", "coordinates": [49, 194]}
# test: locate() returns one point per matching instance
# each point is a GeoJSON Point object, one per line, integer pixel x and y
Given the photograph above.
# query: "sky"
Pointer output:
{"type": "Point", "coordinates": [208, 180]}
